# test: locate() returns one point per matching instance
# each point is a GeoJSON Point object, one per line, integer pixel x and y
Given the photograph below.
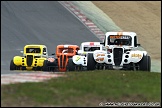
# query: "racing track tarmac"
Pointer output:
{"type": "Point", "coordinates": [37, 22]}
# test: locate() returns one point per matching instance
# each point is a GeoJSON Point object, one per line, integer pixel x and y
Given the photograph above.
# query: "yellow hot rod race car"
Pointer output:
{"type": "Point", "coordinates": [32, 59]}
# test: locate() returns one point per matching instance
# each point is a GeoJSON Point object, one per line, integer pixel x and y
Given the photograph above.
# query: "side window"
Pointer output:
{"type": "Point", "coordinates": [135, 41]}
{"type": "Point", "coordinates": [109, 41]}
{"type": "Point", "coordinates": [44, 50]}
{"type": "Point", "coordinates": [27, 50]}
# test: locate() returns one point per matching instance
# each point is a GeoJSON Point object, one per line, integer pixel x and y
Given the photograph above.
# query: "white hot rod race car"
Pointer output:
{"type": "Point", "coordinates": [121, 53]}
{"type": "Point", "coordinates": [79, 61]}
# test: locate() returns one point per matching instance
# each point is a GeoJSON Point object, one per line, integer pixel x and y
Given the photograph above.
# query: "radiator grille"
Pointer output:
{"type": "Point", "coordinates": [118, 53]}
{"type": "Point", "coordinates": [62, 61]}
{"type": "Point", "coordinates": [29, 60]}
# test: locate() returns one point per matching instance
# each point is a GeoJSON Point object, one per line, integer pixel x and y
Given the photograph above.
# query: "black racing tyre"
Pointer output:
{"type": "Point", "coordinates": [12, 65]}
{"type": "Point", "coordinates": [149, 63]}
{"type": "Point", "coordinates": [145, 64]}
{"type": "Point", "coordinates": [23, 68]}
{"type": "Point", "coordinates": [45, 66]}
{"type": "Point", "coordinates": [100, 66]}
{"type": "Point", "coordinates": [71, 65]}
{"type": "Point", "coordinates": [38, 68]}
{"type": "Point", "coordinates": [91, 63]}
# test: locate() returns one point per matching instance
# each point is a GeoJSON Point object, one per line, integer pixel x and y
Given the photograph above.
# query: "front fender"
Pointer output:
{"type": "Point", "coordinates": [21, 61]}
{"type": "Point", "coordinates": [80, 59]}
{"type": "Point", "coordinates": [17, 60]}
{"type": "Point", "coordinates": [40, 61]}
{"type": "Point", "coordinates": [100, 56]}
{"type": "Point", "coordinates": [136, 56]}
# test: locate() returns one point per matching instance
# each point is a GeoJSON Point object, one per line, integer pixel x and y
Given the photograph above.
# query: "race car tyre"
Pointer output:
{"type": "Point", "coordinates": [23, 68]}
{"type": "Point", "coordinates": [38, 68]}
{"type": "Point", "coordinates": [100, 66]}
{"type": "Point", "coordinates": [149, 63]}
{"type": "Point", "coordinates": [45, 66]}
{"type": "Point", "coordinates": [12, 65]}
{"type": "Point", "coordinates": [91, 63]}
{"type": "Point", "coordinates": [71, 65]}
{"type": "Point", "coordinates": [145, 64]}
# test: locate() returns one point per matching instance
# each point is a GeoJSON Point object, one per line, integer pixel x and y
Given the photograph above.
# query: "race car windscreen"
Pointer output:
{"type": "Point", "coordinates": [33, 50]}
{"type": "Point", "coordinates": [91, 48]}
{"type": "Point", "coordinates": [119, 40]}
{"type": "Point", "coordinates": [65, 50]}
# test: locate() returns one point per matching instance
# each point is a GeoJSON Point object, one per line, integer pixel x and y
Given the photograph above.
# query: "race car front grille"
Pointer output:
{"type": "Point", "coordinates": [62, 61]}
{"type": "Point", "coordinates": [29, 60]}
{"type": "Point", "coordinates": [118, 53]}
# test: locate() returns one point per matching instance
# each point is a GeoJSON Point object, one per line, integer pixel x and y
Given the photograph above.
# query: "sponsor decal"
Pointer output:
{"type": "Point", "coordinates": [100, 55]}
{"type": "Point", "coordinates": [115, 37]}
{"type": "Point", "coordinates": [136, 55]}
{"type": "Point", "coordinates": [119, 37]}
{"type": "Point", "coordinates": [99, 59]}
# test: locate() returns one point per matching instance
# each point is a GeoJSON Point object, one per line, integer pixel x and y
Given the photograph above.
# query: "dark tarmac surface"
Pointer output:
{"type": "Point", "coordinates": [37, 22]}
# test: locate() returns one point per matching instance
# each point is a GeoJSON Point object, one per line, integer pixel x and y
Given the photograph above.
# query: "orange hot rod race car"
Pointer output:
{"type": "Point", "coordinates": [59, 62]}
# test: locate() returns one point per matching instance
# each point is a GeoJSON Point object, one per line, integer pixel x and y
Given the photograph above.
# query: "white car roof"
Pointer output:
{"type": "Point", "coordinates": [121, 33]}
{"type": "Point", "coordinates": [90, 43]}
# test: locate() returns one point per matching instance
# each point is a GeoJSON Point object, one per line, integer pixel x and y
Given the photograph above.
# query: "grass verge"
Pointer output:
{"type": "Point", "coordinates": [88, 88]}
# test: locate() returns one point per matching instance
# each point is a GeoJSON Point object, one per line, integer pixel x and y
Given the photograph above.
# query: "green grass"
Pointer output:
{"type": "Point", "coordinates": [85, 89]}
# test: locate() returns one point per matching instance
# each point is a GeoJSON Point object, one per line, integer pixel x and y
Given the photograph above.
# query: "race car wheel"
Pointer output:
{"type": "Point", "coordinates": [45, 66]}
{"type": "Point", "coordinates": [149, 63]}
{"type": "Point", "coordinates": [145, 64]}
{"type": "Point", "coordinates": [71, 65]}
{"type": "Point", "coordinates": [91, 63]}
{"type": "Point", "coordinates": [23, 68]}
{"type": "Point", "coordinates": [12, 65]}
{"type": "Point", "coordinates": [100, 66]}
{"type": "Point", "coordinates": [38, 68]}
